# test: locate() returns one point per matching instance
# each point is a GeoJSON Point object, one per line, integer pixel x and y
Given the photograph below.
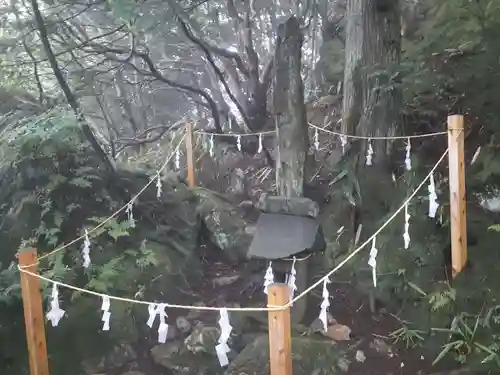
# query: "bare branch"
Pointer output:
{"type": "Point", "coordinates": [253, 58]}
{"type": "Point", "coordinates": [110, 53]}
{"type": "Point", "coordinates": [210, 59]}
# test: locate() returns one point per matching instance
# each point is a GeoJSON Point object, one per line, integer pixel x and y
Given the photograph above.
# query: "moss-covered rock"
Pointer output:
{"type": "Point", "coordinates": [310, 356]}
{"type": "Point", "coordinates": [174, 356]}
{"type": "Point", "coordinates": [225, 226]}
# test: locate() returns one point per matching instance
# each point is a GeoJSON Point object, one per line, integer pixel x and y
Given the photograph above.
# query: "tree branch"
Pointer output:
{"type": "Point", "coordinates": [71, 99]}
{"type": "Point", "coordinates": [154, 72]}
{"type": "Point", "coordinates": [210, 59]}
{"type": "Point", "coordinates": [253, 58]}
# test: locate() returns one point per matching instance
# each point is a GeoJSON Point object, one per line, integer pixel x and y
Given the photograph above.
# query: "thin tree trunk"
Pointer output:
{"type": "Point", "coordinates": [70, 97]}
{"type": "Point", "coordinates": [290, 111]}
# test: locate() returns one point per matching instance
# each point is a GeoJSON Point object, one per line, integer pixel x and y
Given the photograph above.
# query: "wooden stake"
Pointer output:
{"type": "Point", "coordinates": [280, 336]}
{"type": "Point", "coordinates": [33, 315]}
{"type": "Point", "coordinates": [189, 155]}
{"type": "Point", "coordinates": [457, 193]}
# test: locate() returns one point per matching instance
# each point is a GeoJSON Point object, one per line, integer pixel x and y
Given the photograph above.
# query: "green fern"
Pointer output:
{"type": "Point", "coordinates": [440, 299]}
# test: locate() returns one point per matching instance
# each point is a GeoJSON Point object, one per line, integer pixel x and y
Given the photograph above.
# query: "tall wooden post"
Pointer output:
{"type": "Point", "coordinates": [280, 335]}
{"type": "Point", "coordinates": [33, 315]}
{"type": "Point", "coordinates": [190, 155]}
{"type": "Point", "coordinates": [457, 193]}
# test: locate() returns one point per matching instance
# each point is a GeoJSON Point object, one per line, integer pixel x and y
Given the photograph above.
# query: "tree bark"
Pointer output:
{"type": "Point", "coordinates": [290, 111]}
{"type": "Point", "coordinates": [372, 97]}
{"type": "Point", "coordinates": [70, 97]}
{"type": "Point", "coordinates": [371, 107]}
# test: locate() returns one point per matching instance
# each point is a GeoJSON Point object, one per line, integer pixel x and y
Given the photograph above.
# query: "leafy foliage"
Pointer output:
{"type": "Point", "coordinates": [54, 186]}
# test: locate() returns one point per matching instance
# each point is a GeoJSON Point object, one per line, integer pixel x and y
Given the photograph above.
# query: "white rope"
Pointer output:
{"type": "Point", "coordinates": [370, 138]}
{"type": "Point", "coordinates": [323, 130]}
{"type": "Point", "coordinates": [268, 308]}
{"type": "Point", "coordinates": [234, 134]}
{"type": "Point", "coordinates": [124, 207]}
{"type": "Point", "coordinates": [370, 239]}
{"type": "Point", "coordinates": [139, 302]}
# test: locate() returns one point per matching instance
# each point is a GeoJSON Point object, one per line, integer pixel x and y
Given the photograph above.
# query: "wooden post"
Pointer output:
{"type": "Point", "coordinates": [189, 155]}
{"type": "Point", "coordinates": [457, 193]}
{"type": "Point", "coordinates": [280, 335]}
{"type": "Point", "coordinates": [33, 315]}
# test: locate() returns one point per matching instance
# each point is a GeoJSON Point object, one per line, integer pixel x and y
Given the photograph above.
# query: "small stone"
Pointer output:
{"type": "Point", "coordinates": [133, 373]}
{"type": "Point", "coordinates": [338, 332]}
{"type": "Point", "coordinates": [202, 339]}
{"type": "Point", "coordinates": [183, 324]}
{"type": "Point", "coordinates": [317, 325]}
{"type": "Point", "coordinates": [251, 230]}
{"type": "Point", "coordinates": [360, 356]}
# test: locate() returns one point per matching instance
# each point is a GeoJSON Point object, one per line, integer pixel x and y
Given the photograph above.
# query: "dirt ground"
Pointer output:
{"type": "Point", "coordinates": [348, 307]}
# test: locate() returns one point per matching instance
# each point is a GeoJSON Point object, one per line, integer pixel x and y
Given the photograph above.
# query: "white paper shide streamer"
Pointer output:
{"type": "Point", "coordinates": [408, 157]}
{"type": "Point", "coordinates": [238, 143]}
{"type": "Point", "coordinates": [372, 262]}
{"type": "Point", "coordinates": [130, 213]}
{"type": "Point", "coordinates": [177, 158]}
{"type": "Point", "coordinates": [316, 139]}
{"type": "Point", "coordinates": [433, 204]}
{"type": "Point", "coordinates": [325, 304]}
{"type": "Point", "coordinates": [86, 250]}
{"type": "Point", "coordinates": [406, 235]}
{"type": "Point", "coordinates": [260, 143]}
{"type": "Point", "coordinates": [55, 313]}
{"type": "Point", "coordinates": [343, 143]}
{"type": "Point", "coordinates": [369, 154]}
{"type": "Point", "coordinates": [163, 327]}
{"type": "Point", "coordinates": [222, 347]}
{"type": "Point", "coordinates": [211, 146]}
{"type": "Point", "coordinates": [159, 187]}
{"type": "Point", "coordinates": [268, 277]}
{"type": "Point", "coordinates": [105, 313]}
{"type": "Point", "coordinates": [292, 279]}
{"type": "Point", "coordinates": [153, 311]}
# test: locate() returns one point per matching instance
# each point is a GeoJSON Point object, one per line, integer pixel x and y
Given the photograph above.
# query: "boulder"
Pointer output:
{"type": "Point", "coordinates": [119, 356]}
{"type": "Point", "coordinates": [310, 356]}
{"type": "Point", "coordinates": [162, 354]}
{"type": "Point", "coordinates": [175, 357]}
{"type": "Point", "coordinates": [224, 224]}
{"type": "Point", "coordinates": [202, 340]}
{"type": "Point", "coordinates": [183, 324]}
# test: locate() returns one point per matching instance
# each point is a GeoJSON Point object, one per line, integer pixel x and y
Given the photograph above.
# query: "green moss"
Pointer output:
{"type": "Point", "coordinates": [309, 355]}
